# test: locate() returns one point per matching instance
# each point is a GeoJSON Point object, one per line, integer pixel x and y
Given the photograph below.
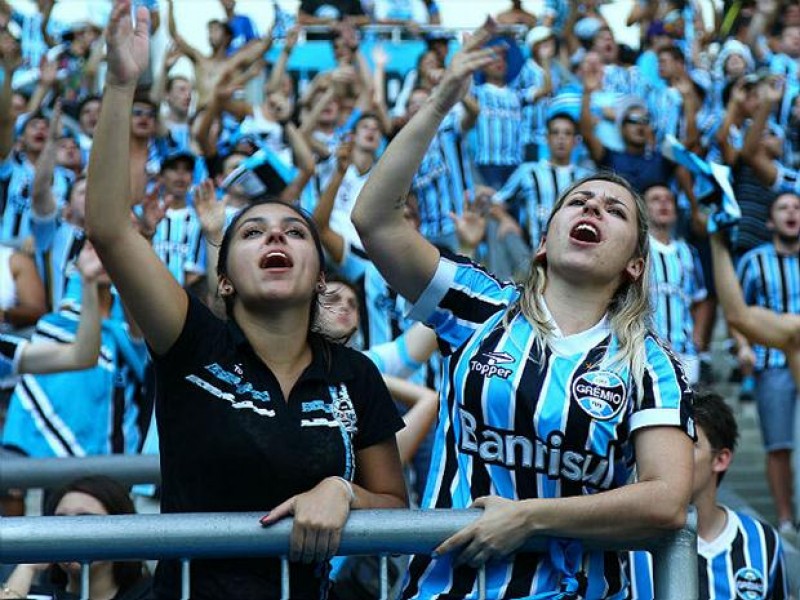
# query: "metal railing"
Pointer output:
{"type": "Point", "coordinates": [34, 473]}
{"type": "Point", "coordinates": [219, 535]}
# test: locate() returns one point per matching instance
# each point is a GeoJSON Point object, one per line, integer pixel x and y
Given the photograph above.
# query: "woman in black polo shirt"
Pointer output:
{"type": "Point", "coordinates": [255, 413]}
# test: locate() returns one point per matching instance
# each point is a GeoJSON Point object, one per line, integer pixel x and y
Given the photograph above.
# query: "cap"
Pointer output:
{"type": "Point", "coordinates": [178, 156]}
{"type": "Point", "coordinates": [587, 28]}
{"type": "Point", "coordinates": [538, 34]}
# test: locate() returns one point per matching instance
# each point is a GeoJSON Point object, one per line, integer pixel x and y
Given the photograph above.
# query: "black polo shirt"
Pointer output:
{"type": "Point", "coordinates": [229, 441]}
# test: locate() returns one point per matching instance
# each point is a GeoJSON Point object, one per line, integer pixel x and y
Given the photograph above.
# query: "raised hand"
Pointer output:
{"type": "Point", "coordinates": [89, 265]}
{"type": "Point", "coordinates": [344, 155]}
{"type": "Point", "coordinates": [379, 57]}
{"type": "Point", "coordinates": [210, 211]}
{"type": "Point", "coordinates": [48, 71]}
{"type": "Point", "coordinates": [152, 213]}
{"type": "Point", "coordinates": [171, 56]}
{"type": "Point", "coordinates": [470, 226]}
{"type": "Point", "coordinates": [771, 89]}
{"type": "Point", "coordinates": [128, 46]}
{"type": "Point", "coordinates": [458, 75]}
{"type": "Point", "coordinates": [10, 54]}
{"type": "Point", "coordinates": [54, 131]}
{"type": "Point", "coordinates": [291, 38]}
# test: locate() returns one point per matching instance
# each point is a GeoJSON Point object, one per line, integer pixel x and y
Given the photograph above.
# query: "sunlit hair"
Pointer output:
{"type": "Point", "coordinates": [629, 307]}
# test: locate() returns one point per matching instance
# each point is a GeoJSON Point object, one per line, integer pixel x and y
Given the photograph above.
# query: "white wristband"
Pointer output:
{"type": "Point", "coordinates": [351, 495]}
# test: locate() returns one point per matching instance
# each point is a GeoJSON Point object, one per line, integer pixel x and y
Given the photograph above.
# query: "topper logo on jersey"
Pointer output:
{"type": "Point", "coordinates": [488, 364]}
{"type": "Point", "coordinates": [601, 394]}
{"type": "Point", "coordinates": [750, 584]}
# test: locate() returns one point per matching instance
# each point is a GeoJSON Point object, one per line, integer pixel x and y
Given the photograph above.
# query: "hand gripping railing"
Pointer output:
{"type": "Point", "coordinates": [218, 535]}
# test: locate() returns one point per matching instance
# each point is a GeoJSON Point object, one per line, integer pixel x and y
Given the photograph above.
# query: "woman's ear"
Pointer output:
{"type": "Point", "coordinates": [224, 287]}
{"type": "Point", "coordinates": [540, 256]}
{"type": "Point", "coordinates": [634, 269]}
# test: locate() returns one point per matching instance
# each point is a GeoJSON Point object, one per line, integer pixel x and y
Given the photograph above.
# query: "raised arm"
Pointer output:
{"type": "Point", "coordinates": [422, 403]}
{"type": "Point", "coordinates": [732, 111]}
{"type": "Point", "coordinates": [279, 68]}
{"type": "Point", "coordinates": [770, 93]}
{"type": "Point", "coordinates": [44, 204]}
{"type": "Point", "coordinates": [592, 82]}
{"type": "Point", "coordinates": [757, 324]}
{"type": "Point", "coordinates": [333, 241]}
{"type": "Point", "coordinates": [154, 298]}
{"type": "Point", "coordinates": [192, 53]}
{"type": "Point", "coordinates": [53, 357]}
{"type": "Point", "coordinates": [403, 256]}
{"type": "Point", "coordinates": [31, 299]}
{"type": "Point", "coordinates": [171, 56]}
{"type": "Point", "coordinates": [11, 59]}
{"type": "Point", "coordinates": [303, 158]}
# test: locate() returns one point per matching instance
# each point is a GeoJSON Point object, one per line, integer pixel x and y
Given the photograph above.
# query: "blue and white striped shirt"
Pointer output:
{"type": "Point", "coordinates": [498, 126]}
{"type": "Point", "coordinates": [10, 352]}
{"type": "Point", "coordinates": [772, 281]}
{"type": "Point", "coordinates": [677, 284]}
{"type": "Point", "coordinates": [178, 243]}
{"type": "Point", "coordinates": [534, 188]}
{"type": "Point", "coordinates": [442, 178]}
{"type": "Point", "coordinates": [16, 190]}
{"type": "Point", "coordinates": [744, 561]}
{"type": "Point", "coordinates": [519, 423]}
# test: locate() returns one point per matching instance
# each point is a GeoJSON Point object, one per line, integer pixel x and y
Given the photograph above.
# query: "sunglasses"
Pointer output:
{"type": "Point", "coordinates": [143, 112]}
{"type": "Point", "coordinates": [637, 120]}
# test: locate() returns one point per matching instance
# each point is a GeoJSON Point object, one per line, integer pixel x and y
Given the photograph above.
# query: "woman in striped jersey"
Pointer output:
{"type": "Point", "coordinates": [554, 390]}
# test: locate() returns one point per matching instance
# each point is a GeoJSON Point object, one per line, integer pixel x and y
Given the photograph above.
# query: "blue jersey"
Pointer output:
{"type": "Point", "coordinates": [178, 243]}
{"type": "Point", "coordinates": [442, 178]}
{"type": "Point", "coordinates": [16, 189]}
{"type": "Point", "coordinates": [787, 180]}
{"type": "Point", "coordinates": [677, 284]}
{"type": "Point", "coordinates": [521, 423]}
{"type": "Point", "coordinates": [745, 561]}
{"type": "Point", "coordinates": [498, 126]}
{"type": "Point", "coordinates": [534, 188]}
{"type": "Point", "coordinates": [10, 351]}
{"type": "Point", "coordinates": [772, 281]}
{"type": "Point", "coordinates": [48, 417]}
{"type": "Point", "coordinates": [534, 114]}
{"type": "Point", "coordinates": [57, 245]}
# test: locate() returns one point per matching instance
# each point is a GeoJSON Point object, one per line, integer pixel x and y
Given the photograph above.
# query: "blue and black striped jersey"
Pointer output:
{"type": "Point", "coordinates": [677, 284]}
{"type": "Point", "coordinates": [498, 126]}
{"type": "Point", "coordinates": [519, 422]}
{"type": "Point", "coordinates": [745, 561]}
{"type": "Point", "coordinates": [772, 281]}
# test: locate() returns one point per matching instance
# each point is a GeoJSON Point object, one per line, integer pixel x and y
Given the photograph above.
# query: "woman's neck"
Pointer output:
{"type": "Point", "coordinates": [101, 582]}
{"type": "Point", "coordinates": [274, 335]}
{"type": "Point", "coordinates": [574, 308]}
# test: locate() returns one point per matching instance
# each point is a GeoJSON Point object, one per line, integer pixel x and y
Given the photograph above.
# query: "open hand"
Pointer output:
{"type": "Point", "coordinates": [128, 46]}
{"type": "Point", "coordinates": [458, 75]}
{"type": "Point", "coordinates": [210, 211]}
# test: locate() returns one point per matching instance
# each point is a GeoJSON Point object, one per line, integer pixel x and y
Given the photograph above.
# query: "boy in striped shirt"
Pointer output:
{"type": "Point", "coordinates": [738, 555]}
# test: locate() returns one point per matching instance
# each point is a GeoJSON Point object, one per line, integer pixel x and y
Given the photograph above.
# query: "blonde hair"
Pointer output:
{"type": "Point", "coordinates": [629, 308]}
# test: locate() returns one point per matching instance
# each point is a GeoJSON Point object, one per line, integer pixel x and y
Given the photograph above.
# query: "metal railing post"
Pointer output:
{"type": "Point", "coordinates": [675, 563]}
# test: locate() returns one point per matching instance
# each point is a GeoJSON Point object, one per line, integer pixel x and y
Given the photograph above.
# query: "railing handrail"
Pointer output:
{"type": "Point", "coordinates": [33, 473]}
{"type": "Point", "coordinates": [217, 535]}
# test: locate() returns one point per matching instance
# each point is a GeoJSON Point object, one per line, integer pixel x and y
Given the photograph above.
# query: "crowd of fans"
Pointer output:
{"type": "Point", "coordinates": [699, 114]}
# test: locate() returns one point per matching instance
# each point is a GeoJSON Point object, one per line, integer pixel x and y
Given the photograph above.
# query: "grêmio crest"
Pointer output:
{"type": "Point", "coordinates": [600, 394]}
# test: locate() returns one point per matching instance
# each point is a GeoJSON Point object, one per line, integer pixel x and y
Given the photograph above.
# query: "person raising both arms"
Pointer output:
{"type": "Point", "coordinates": [251, 415]}
{"type": "Point", "coordinates": [554, 389]}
